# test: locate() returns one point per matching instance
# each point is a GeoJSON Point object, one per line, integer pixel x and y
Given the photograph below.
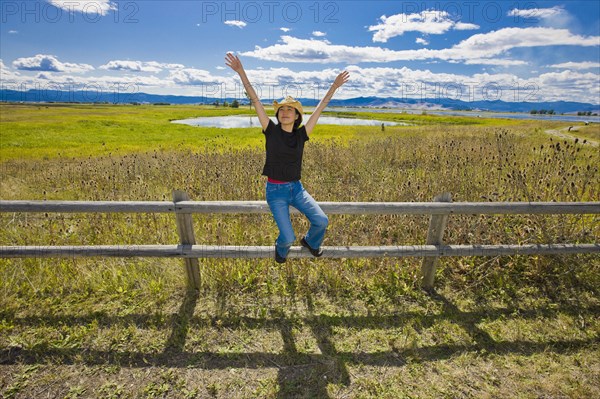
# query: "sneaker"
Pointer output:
{"type": "Point", "coordinates": [278, 258]}
{"type": "Point", "coordinates": [315, 252]}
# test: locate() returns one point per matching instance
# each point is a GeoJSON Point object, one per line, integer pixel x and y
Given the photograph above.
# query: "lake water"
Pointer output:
{"type": "Point", "coordinates": [228, 122]}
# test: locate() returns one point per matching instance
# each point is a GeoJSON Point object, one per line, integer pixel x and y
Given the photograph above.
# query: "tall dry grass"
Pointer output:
{"type": "Point", "coordinates": [412, 164]}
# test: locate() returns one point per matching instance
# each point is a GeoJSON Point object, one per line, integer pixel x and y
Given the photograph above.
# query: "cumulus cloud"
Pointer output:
{"type": "Point", "coordinates": [424, 84]}
{"type": "Point", "coordinates": [139, 66]}
{"type": "Point", "coordinates": [239, 24]}
{"type": "Point", "coordinates": [285, 29]}
{"type": "Point", "coordinates": [302, 50]}
{"type": "Point", "coordinates": [318, 33]}
{"type": "Point", "coordinates": [49, 63]}
{"type": "Point", "coordinates": [433, 22]}
{"type": "Point", "coordinates": [402, 82]}
{"type": "Point", "coordinates": [422, 41]}
{"type": "Point", "coordinates": [574, 86]}
{"type": "Point", "coordinates": [495, 43]}
{"type": "Point", "coordinates": [378, 81]}
{"type": "Point", "coordinates": [576, 65]}
{"type": "Point", "coordinates": [96, 7]}
{"type": "Point", "coordinates": [283, 76]}
{"type": "Point", "coordinates": [484, 48]}
{"type": "Point", "coordinates": [570, 79]}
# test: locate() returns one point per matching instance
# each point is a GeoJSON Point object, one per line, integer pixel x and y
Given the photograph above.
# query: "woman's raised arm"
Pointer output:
{"type": "Point", "coordinates": [314, 117]}
{"type": "Point", "coordinates": [234, 63]}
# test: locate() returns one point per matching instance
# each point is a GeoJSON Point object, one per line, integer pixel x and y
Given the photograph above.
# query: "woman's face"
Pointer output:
{"type": "Point", "coordinates": [287, 115]}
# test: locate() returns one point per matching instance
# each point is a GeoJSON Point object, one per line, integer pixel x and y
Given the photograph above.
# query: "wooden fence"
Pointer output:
{"type": "Point", "coordinates": [183, 208]}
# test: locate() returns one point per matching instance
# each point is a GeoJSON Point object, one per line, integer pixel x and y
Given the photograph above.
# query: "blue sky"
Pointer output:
{"type": "Point", "coordinates": [467, 50]}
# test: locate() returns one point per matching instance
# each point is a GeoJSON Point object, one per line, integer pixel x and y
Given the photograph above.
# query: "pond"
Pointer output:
{"type": "Point", "coordinates": [227, 122]}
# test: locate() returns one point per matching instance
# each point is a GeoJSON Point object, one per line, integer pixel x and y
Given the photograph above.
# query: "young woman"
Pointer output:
{"type": "Point", "coordinates": [283, 166]}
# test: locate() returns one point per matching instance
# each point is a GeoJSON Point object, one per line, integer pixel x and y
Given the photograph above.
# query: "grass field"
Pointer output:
{"type": "Point", "coordinates": [496, 327]}
{"type": "Point", "coordinates": [68, 130]}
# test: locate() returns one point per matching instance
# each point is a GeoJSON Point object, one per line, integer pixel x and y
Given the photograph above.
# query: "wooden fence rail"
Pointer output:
{"type": "Point", "coordinates": [339, 208]}
{"type": "Point", "coordinates": [183, 209]}
{"type": "Point", "coordinates": [234, 251]}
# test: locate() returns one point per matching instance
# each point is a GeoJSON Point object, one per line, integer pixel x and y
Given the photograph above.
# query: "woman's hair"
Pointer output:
{"type": "Point", "coordinates": [297, 122]}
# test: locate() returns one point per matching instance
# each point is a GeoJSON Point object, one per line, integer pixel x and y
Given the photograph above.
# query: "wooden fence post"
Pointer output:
{"type": "Point", "coordinates": [435, 236]}
{"type": "Point", "coordinates": [185, 229]}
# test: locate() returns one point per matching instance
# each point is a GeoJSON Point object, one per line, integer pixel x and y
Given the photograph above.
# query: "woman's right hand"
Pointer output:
{"type": "Point", "coordinates": [233, 62]}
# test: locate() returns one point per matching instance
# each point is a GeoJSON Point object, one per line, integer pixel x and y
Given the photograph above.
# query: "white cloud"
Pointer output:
{"type": "Point", "coordinates": [67, 82]}
{"type": "Point", "coordinates": [284, 76]}
{"type": "Point", "coordinates": [13, 32]}
{"type": "Point", "coordinates": [318, 33]}
{"type": "Point", "coordinates": [484, 48]}
{"type": "Point", "coordinates": [494, 61]}
{"type": "Point", "coordinates": [6, 74]}
{"type": "Point", "coordinates": [487, 45]}
{"type": "Point", "coordinates": [302, 50]}
{"type": "Point", "coordinates": [556, 16]}
{"type": "Point", "coordinates": [432, 22]}
{"type": "Point", "coordinates": [195, 77]}
{"type": "Point", "coordinates": [422, 41]}
{"type": "Point", "coordinates": [44, 76]}
{"type": "Point", "coordinates": [570, 79]}
{"type": "Point", "coordinates": [285, 29]}
{"type": "Point", "coordinates": [576, 65]}
{"type": "Point", "coordinates": [570, 86]}
{"type": "Point", "coordinates": [465, 26]}
{"type": "Point", "coordinates": [96, 7]}
{"type": "Point", "coordinates": [377, 81]}
{"type": "Point", "coordinates": [49, 63]}
{"type": "Point", "coordinates": [139, 66]}
{"type": "Point", "coordinates": [536, 12]}
{"type": "Point", "coordinates": [415, 83]}
{"type": "Point", "coordinates": [239, 24]}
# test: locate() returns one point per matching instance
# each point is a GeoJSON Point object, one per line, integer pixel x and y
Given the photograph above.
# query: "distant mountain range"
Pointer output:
{"type": "Point", "coordinates": [559, 107]}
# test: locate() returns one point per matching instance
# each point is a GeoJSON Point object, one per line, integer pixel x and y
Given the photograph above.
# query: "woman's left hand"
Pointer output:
{"type": "Point", "coordinates": [341, 79]}
{"type": "Point", "coordinates": [233, 62]}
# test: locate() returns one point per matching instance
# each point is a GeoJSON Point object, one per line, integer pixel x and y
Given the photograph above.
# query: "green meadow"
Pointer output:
{"type": "Point", "coordinates": [68, 130]}
{"type": "Point", "coordinates": [495, 327]}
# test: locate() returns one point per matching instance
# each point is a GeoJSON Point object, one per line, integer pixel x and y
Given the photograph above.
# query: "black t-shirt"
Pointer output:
{"type": "Point", "coordinates": [284, 152]}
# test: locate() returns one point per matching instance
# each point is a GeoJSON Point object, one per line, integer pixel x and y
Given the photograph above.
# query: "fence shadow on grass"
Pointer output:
{"type": "Point", "coordinates": [299, 374]}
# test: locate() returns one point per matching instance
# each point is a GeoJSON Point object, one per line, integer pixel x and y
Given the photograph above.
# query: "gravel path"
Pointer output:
{"type": "Point", "coordinates": [567, 135]}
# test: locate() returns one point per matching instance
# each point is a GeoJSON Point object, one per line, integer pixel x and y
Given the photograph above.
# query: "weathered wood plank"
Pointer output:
{"type": "Point", "coordinates": [185, 229]}
{"type": "Point", "coordinates": [87, 206]}
{"type": "Point", "coordinates": [216, 251]}
{"type": "Point", "coordinates": [408, 208]}
{"type": "Point", "coordinates": [435, 236]}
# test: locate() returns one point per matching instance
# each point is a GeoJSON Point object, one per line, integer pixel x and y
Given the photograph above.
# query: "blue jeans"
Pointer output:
{"type": "Point", "coordinates": [279, 198]}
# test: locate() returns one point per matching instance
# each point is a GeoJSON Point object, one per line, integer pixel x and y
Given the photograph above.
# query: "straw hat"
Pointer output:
{"type": "Point", "coordinates": [290, 102]}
